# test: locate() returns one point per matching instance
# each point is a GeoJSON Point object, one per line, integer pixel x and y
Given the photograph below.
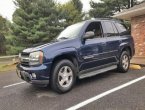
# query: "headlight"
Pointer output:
{"type": "Point", "coordinates": [36, 58]}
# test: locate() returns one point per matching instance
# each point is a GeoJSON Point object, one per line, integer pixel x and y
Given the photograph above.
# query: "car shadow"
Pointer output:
{"type": "Point", "coordinates": [80, 82]}
{"type": "Point", "coordinates": [31, 89]}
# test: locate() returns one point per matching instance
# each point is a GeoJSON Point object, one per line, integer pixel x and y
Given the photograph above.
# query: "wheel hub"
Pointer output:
{"type": "Point", "coordinates": [125, 62]}
{"type": "Point", "coordinates": [65, 76]}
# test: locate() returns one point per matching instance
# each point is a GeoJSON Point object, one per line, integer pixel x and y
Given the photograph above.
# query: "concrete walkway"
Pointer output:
{"type": "Point", "coordinates": [138, 60]}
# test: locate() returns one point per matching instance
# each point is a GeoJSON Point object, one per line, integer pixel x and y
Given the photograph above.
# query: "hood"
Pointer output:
{"type": "Point", "coordinates": [54, 46]}
{"type": "Point", "coordinates": [37, 47]}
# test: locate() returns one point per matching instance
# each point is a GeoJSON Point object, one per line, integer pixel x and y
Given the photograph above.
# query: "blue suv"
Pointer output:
{"type": "Point", "coordinates": [81, 50]}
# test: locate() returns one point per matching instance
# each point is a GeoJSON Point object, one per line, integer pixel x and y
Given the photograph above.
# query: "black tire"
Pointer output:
{"type": "Point", "coordinates": [121, 66]}
{"type": "Point", "coordinates": [56, 77]}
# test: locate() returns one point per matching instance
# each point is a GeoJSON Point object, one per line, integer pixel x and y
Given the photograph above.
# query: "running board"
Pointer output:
{"type": "Point", "coordinates": [93, 73]}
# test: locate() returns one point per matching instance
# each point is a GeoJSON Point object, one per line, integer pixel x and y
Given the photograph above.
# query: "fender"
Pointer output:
{"type": "Point", "coordinates": [122, 46]}
{"type": "Point", "coordinates": [62, 51]}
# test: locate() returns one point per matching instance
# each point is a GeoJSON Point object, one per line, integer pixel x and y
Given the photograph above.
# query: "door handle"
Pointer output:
{"type": "Point", "coordinates": [88, 57]}
{"type": "Point", "coordinates": [120, 41]}
{"type": "Point", "coordinates": [103, 43]}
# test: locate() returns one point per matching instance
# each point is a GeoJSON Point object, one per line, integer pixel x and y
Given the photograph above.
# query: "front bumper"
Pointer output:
{"type": "Point", "coordinates": [41, 73]}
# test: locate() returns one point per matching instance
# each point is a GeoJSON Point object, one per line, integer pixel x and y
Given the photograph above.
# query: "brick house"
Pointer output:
{"type": "Point", "coordinates": [136, 15]}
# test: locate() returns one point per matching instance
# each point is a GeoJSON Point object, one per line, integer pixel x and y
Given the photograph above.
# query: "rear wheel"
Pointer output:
{"type": "Point", "coordinates": [63, 76]}
{"type": "Point", "coordinates": [124, 62]}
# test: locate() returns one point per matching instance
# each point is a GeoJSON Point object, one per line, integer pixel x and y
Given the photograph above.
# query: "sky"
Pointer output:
{"type": "Point", "coordinates": [7, 7]}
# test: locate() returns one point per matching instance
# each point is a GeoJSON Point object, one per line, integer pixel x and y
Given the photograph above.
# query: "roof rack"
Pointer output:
{"type": "Point", "coordinates": [110, 18]}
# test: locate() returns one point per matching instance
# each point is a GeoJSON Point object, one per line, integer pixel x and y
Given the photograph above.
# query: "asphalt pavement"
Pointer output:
{"type": "Point", "coordinates": [18, 95]}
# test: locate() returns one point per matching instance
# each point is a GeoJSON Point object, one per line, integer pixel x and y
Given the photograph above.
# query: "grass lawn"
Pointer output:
{"type": "Point", "coordinates": [7, 67]}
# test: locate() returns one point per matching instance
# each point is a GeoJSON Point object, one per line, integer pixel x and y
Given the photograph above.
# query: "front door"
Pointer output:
{"type": "Point", "coordinates": [93, 49]}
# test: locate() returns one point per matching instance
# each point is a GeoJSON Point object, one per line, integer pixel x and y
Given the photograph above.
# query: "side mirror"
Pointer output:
{"type": "Point", "coordinates": [89, 35]}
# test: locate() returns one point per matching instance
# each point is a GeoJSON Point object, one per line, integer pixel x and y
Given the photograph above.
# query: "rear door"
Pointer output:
{"type": "Point", "coordinates": [112, 40]}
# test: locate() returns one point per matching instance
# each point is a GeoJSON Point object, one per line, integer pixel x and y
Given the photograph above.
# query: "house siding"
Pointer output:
{"type": "Point", "coordinates": [138, 33]}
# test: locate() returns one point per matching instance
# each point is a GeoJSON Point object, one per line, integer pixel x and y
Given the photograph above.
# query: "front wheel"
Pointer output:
{"type": "Point", "coordinates": [63, 76]}
{"type": "Point", "coordinates": [124, 62]}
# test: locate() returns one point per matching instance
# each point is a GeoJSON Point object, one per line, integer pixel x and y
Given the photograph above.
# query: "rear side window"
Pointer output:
{"type": "Point", "coordinates": [115, 29]}
{"type": "Point", "coordinates": [122, 28]}
{"type": "Point", "coordinates": [110, 29]}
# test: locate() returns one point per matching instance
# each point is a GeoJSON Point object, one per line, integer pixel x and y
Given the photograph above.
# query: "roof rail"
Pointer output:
{"type": "Point", "coordinates": [111, 18]}
{"type": "Point", "coordinates": [102, 18]}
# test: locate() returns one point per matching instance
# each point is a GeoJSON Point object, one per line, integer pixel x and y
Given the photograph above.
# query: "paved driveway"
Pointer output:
{"type": "Point", "coordinates": [18, 95]}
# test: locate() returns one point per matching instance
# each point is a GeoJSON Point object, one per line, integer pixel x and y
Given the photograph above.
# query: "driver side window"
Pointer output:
{"type": "Point", "coordinates": [96, 28]}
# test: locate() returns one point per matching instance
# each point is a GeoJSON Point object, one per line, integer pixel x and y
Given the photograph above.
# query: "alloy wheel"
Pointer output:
{"type": "Point", "coordinates": [65, 76]}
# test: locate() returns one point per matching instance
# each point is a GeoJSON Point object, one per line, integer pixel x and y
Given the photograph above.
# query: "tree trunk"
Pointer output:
{"type": "Point", "coordinates": [2, 45]}
{"type": "Point", "coordinates": [119, 9]}
{"type": "Point", "coordinates": [128, 4]}
{"type": "Point", "coordinates": [131, 4]}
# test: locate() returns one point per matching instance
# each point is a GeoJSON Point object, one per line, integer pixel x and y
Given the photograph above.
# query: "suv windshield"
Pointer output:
{"type": "Point", "coordinates": [71, 31]}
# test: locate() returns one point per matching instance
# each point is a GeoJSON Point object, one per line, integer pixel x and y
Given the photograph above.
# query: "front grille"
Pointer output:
{"type": "Point", "coordinates": [24, 59]}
